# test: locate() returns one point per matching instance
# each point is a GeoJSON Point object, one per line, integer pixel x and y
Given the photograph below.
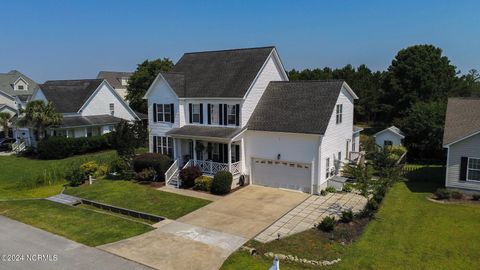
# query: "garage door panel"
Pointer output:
{"type": "Point", "coordinates": [282, 174]}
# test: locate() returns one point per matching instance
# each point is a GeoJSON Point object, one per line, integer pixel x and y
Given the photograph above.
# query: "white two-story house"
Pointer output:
{"type": "Point", "coordinates": [235, 110]}
{"type": "Point", "coordinates": [89, 107]}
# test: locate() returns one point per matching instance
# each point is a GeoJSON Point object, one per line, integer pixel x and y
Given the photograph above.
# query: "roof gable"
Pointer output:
{"type": "Point", "coordinates": [114, 77]}
{"type": "Point", "coordinates": [296, 106]}
{"type": "Point", "coordinates": [462, 119]}
{"type": "Point", "coordinates": [68, 96]}
{"type": "Point", "coordinates": [392, 129]}
{"type": "Point", "coordinates": [8, 80]}
{"type": "Point", "coordinates": [227, 73]}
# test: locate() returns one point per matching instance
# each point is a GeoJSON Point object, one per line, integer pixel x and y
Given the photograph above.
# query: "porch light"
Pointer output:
{"type": "Point", "coordinates": [279, 157]}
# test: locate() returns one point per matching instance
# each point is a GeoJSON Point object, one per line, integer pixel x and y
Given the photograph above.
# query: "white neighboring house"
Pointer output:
{"type": "Point", "coordinates": [461, 138]}
{"type": "Point", "coordinates": [389, 137]}
{"type": "Point", "coordinates": [117, 79]}
{"type": "Point", "coordinates": [89, 107]}
{"type": "Point", "coordinates": [235, 110]}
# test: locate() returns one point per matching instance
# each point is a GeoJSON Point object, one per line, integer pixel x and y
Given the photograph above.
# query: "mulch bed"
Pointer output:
{"type": "Point", "coordinates": [348, 232]}
{"type": "Point", "coordinates": [465, 200]}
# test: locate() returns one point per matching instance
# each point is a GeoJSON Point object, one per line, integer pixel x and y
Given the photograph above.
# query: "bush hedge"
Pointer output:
{"type": "Point", "coordinates": [188, 176]}
{"type": "Point", "coordinates": [203, 183]}
{"type": "Point", "coordinates": [160, 163]}
{"type": "Point", "coordinates": [58, 147]}
{"type": "Point", "coordinates": [146, 175]}
{"type": "Point", "coordinates": [443, 194]}
{"type": "Point", "coordinates": [222, 183]}
{"type": "Point", "coordinates": [327, 224]}
{"type": "Point", "coordinates": [76, 176]}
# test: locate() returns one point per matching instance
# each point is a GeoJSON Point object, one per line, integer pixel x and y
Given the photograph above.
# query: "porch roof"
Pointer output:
{"type": "Point", "coordinates": [204, 131]}
{"type": "Point", "coordinates": [83, 121]}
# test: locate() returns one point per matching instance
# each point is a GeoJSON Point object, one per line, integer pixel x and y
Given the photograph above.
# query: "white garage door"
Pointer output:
{"type": "Point", "coordinates": [281, 174]}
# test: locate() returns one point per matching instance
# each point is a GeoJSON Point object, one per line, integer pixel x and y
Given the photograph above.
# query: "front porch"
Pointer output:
{"type": "Point", "coordinates": [221, 151]}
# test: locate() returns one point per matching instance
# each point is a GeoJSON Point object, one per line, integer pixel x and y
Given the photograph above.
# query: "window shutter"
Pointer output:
{"type": "Point", "coordinates": [220, 114]}
{"type": "Point", "coordinates": [172, 113]}
{"type": "Point", "coordinates": [225, 154]}
{"type": "Point", "coordinates": [154, 144]}
{"type": "Point", "coordinates": [463, 168]}
{"type": "Point", "coordinates": [237, 153]}
{"type": "Point", "coordinates": [190, 112]}
{"type": "Point", "coordinates": [225, 116]}
{"type": "Point", "coordinates": [201, 113]}
{"type": "Point", "coordinates": [209, 147]}
{"type": "Point", "coordinates": [237, 114]}
{"type": "Point", "coordinates": [209, 114]}
{"type": "Point", "coordinates": [154, 112]}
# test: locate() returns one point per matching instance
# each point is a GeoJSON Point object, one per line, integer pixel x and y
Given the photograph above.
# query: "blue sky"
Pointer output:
{"type": "Point", "coordinates": [75, 39]}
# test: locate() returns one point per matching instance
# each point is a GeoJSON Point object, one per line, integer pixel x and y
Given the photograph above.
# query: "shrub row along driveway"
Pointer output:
{"type": "Point", "coordinates": [204, 238]}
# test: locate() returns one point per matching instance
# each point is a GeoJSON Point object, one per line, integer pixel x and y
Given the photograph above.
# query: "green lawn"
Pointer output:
{"type": "Point", "coordinates": [409, 232]}
{"type": "Point", "coordinates": [80, 225]}
{"type": "Point", "coordinates": [137, 197]}
{"type": "Point", "coordinates": [31, 178]}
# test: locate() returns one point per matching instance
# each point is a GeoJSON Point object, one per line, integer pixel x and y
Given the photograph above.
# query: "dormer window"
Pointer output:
{"type": "Point", "coordinates": [20, 85]}
{"type": "Point", "coordinates": [124, 81]}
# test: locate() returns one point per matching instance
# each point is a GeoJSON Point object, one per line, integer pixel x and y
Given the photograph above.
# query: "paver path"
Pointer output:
{"type": "Point", "coordinates": [311, 212]}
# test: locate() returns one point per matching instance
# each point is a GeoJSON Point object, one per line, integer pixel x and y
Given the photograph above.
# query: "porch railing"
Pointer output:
{"type": "Point", "coordinates": [211, 167]}
{"type": "Point", "coordinates": [172, 171]}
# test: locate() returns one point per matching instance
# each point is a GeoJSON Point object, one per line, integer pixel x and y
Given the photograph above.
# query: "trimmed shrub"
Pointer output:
{"type": "Point", "coordinates": [146, 175]}
{"type": "Point", "coordinates": [118, 169]}
{"type": "Point", "coordinates": [222, 183]}
{"type": "Point", "coordinates": [323, 192]}
{"type": "Point", "coordinates": [347, 187]}
{"type": "Point", "coordinates": [101, 171]}
{"type": "Point", "coordinates": [476, 197]}
{"type": "Point", "coordinates": [76, 177]}
{"type": "Point", "coordinates": [347, 216]}
{"type": "Point", "coordinates": [160, 163]}
{"type": "Point", "coordinates": [188, 176]}
{"type": "Point", "coordinates": [89, 167]}
{"type": "Point", "coordinates": [203, 183]}
{"type": "Point", "coordinates": [378, 197]}
{"type": "Point", "coordinates": [443, 194]}
{"type": "Point", "coordinates": [398, 150]}
{"type": "Point", "coordinates": [457, 195]}
{"type": "Point", "coordinates": [331, 189]}
{"type": "Point", "coordinates": [327, 224]}
{"type": "Point", "coordinates": [58, 147]}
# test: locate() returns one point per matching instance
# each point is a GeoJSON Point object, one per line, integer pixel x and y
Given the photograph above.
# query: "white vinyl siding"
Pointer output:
{"type": "Point", "coordinates": [469, 147]}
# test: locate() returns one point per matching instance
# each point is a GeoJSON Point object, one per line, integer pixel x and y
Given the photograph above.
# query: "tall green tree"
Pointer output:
{"type": "Point", "coordinates": [5, 122]}
{"type": "Point", "coordinates": [417, 73]}
{"type": "Point", "coordinates": [39, 115]}
{"type": "Point", "coordinates": [141, 80]}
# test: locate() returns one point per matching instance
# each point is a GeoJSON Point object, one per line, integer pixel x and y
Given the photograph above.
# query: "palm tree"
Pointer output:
{"type": "Point", "coordinates": [4, 122]}
{"type": "Point", "coordinates": [39, 115]}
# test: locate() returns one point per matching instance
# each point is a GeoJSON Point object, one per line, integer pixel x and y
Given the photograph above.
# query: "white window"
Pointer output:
{"type": "Point", "coordinates": [473, 172]}
{"type": "Point", "coordinates": [195, 113]}
{"type": "Point", "coordinates": [214, 120]}
{"type": "Point", "coordinates": [124, 81]}
{"type": "Point", "coordinates": [112, 108]}
{"type": "Point", "coordinates": [165, 146]}
{"type": "Point", "coordinates": [231, 115]}
{"type": "Point", "coordinates": [164, 113]}
{"type": "Point", "coordinates": [21, 87]}
{"type": "Point", "coordinates": [339, 113]}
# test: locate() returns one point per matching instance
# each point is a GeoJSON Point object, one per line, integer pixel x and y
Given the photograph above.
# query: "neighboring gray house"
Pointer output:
{"type": "Point", "coordinates": [389, 137]}
{"type": "Point", "coordinates": [235, 110]}
{"type": "Point", "coordinates": [461, 138]}
{"type": "Point", "coordinates": [118, 80]}
{"type": "Point", "coordinates": [15, 89]}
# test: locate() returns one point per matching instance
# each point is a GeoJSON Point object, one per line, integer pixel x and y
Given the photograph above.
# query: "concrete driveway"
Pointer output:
{"type": "Point", "coordinates": [24, 241]}
{"type": "Point", "coordinates": [204, 238]}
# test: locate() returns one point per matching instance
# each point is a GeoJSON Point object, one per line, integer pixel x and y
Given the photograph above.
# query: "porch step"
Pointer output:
{"type": "Point", "coordinates": [174, 182]}
{"type": "Point", "coordinates": [65, 199]}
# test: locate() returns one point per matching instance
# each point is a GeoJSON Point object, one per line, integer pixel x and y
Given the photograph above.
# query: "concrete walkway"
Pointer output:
{"type": "Point", "coordinates": [311, 212]}
{"type": "Point", "coordinates": [56, 252]}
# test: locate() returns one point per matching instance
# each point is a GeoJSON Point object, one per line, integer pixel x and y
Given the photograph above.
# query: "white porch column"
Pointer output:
{"type": "Point", "coordinates": [229, 156]}
{"type": "Point", "coordinates": [174, 148]}
{"type": "Point", "coordinates": [194, 151]}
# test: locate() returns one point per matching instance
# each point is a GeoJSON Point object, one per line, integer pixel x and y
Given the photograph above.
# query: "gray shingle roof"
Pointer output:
{"type": "Point", "coordinates": [96, 120]}
{"type": "Point", "coordinates": [226, 73]}
{"type": "Point", "coordinates": [205, 131]}
{"type": "Point", "coordinates": [462, 119]}
{"type": "Point", "coordinates": [114, 77]}
{"type": "Point", "coordinates": [393, 129]}
{"type": "Point", "coordinates": [7, 80]}
{"type": "Point", "coordinates": [296, 107]}
{"type": "Point", "coordinates": [68, 96]}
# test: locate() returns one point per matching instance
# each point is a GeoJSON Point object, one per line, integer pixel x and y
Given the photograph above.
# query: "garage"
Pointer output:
{"type": "Point", "coordinates": [281, 174]}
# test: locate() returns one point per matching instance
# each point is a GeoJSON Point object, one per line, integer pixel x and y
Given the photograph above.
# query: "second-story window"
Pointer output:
{"type": "Point", "coordinates": [164, 112]}
{"type": "Point", "coordinates": [112, 108]}
{"type": "Point", "coordinates": [196, 113]}
{"type": "Point", "coordinates": [339, 113]}
{"type": "Point", "coordinates": [214, 117]}
{"type": "Point", "coordinates": [231, 115]}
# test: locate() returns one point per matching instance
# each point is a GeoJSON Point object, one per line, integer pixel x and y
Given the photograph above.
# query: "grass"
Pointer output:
{"type": "Point", "coordinates": [409, 232]}
{"type": "Point", "coordinates": [137, 197]}
{"type": "Point", "coordinates": [22, 177]}
{"type": "Point", "coordinates": [80, 225]}
{"type": "Point", "coordinates": [103, 211]}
